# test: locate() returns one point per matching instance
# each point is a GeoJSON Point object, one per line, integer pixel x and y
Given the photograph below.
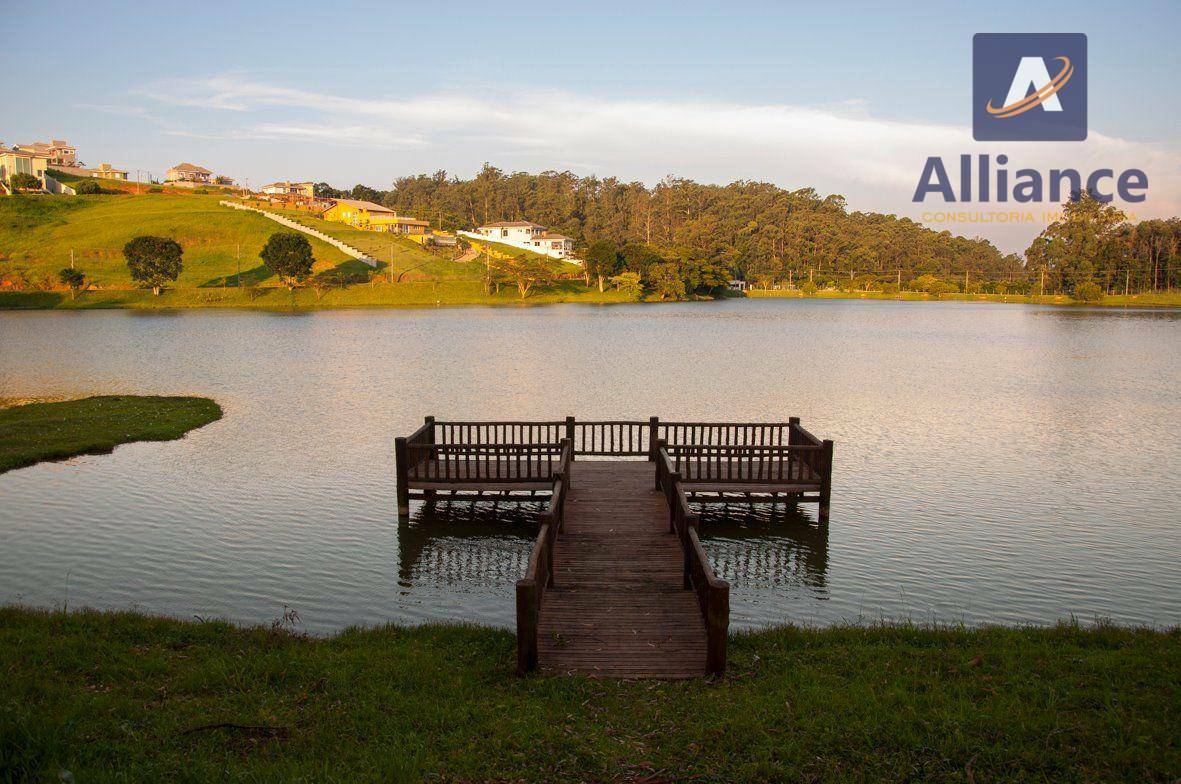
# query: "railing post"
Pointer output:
{"type": "Point", "coordinates": [430, 421]}
{"type": "Point", "coordinates": [567, 449]}
{"type": "Point", "coordinates": [526, 626]}
{"type": "Point", "coordinates": [825, 479]}
{"type": "Point", "coordinates": [402, 476]}
{"type": "Point", "coordinates": [687, 576]}
{"type": "Point", "coordinates": [653, 429]}
{"type": "Point", "coordinates": [792, 437]}
{"type": "Point", "coordinates": [661, 444]}
{"type": "Point", "coordinates": [717, 624]}
{"type": "Point", "coordinates": [570, 433]}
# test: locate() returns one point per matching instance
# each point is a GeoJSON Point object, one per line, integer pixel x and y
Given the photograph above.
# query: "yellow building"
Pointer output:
{"type": "Point", "coordinates": [21, 162]}
{"type": "Point", "coordinates": [109, 172]}
{"type": "Point", "coordinates": [372, 217]}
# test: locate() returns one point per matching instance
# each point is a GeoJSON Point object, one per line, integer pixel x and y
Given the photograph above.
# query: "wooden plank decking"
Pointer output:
{"type": "Point", "coordinates": [618, 607]}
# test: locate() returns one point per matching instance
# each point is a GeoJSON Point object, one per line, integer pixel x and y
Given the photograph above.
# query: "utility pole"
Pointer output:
{"type": "Point", "coordinates": [1127, 276]}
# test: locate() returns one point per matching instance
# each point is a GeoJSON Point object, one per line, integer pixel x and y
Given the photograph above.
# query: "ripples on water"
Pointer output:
{"type": "Point", "coordinates": [993, 464]}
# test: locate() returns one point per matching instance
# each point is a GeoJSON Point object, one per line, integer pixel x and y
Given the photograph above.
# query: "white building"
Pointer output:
{"type": "Point", "coordinates": [527, 236]}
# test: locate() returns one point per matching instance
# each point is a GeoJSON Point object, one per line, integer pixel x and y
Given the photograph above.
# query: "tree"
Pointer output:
{"type": "Point", "coordinates": [1088, 291]}
{"type": "Point", "coordinates": [1074, 248]}
{"type": "Point", "coordinates": [665, 280]}
{"type": "Point", "coordinates": [289, 255]}
{"type": "Point", "coordinates": [524, 272]}
{"type": "Point", "coordinates": [88, 186]}
{"type": "Point", "coordinates": [153, 261]}
{"type": "Point", "coordinates": [628, 283]}
{"type": "Point", "coordinates": [74, 278]}
{"type": "Point", "coordinates": [323, 190]}
{"type": "Point", "coordinates": [22, 181]}
{"type": "Point", "coordinates": [603, 261]}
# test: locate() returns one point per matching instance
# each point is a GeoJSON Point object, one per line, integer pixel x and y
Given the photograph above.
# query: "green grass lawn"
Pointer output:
{"type": "Point", "coordinates": [379, 294]}
{"type": "Point", "coordinates": [1159, 299]}
{"type": "Point", "coordinates": [36, 432]}
{"type": "Point", "coordinates": [124, 697]}
{"type": "Point", "coordinates": [410, 260]}
{"type": "Point", "coordinates": [37, 234]}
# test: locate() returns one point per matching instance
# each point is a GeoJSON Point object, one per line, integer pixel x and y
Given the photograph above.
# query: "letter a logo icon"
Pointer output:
{"type": "Point", "coordinates": [1029, 87]}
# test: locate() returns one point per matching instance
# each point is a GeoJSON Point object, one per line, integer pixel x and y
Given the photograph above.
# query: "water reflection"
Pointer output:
{"type": "Point", "coordinates": [995, 463]}
{"type": "Point", "coordinates": [465, 544]}
{"type": "Point", "coordinates": [765, 546]}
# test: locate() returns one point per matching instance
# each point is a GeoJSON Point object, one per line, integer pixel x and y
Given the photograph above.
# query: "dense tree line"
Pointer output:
{"type": "Point", "coordinates": [752, 230]}
{"type": "Point", "coordinates": [682, 237]}
{"type": "Point", "coordinates": [1092, 245]}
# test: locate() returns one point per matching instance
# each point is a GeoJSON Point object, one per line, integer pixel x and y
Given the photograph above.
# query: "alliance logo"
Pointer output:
{"type": "Point", "coordinates": [1014, 96]}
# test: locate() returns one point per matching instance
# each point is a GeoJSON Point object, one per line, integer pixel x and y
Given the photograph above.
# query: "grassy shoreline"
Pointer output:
{"type": "Point", "coordinates": [35, 432]}
{"type": "Point", "coordinates": [428, 294]}
{"type": "Point", "coordinates": [110, 695]}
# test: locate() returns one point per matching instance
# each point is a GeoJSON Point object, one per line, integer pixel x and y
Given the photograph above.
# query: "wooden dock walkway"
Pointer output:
{"type": "Point", "coordinates": [618, 583]}
{"type": "Point", "coordinates": [618, 607]}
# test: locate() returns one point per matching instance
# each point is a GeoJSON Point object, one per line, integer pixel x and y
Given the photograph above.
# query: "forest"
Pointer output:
{"type": "Point", "coordinates": [682, 237]}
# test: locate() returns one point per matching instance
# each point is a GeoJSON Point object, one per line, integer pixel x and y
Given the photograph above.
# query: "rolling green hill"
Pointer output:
{"type": "Point", "coordinates": [410, 260]}
{"type": "Point", "coordinates": [37, 234]}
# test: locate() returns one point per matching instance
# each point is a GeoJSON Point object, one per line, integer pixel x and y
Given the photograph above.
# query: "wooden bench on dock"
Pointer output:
{"type": "Point", "coordinates": [618, 583]}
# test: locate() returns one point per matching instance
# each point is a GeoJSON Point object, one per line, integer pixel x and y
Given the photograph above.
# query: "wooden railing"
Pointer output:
{"type": "Point", "coordinates": [480, 463]}
{"type": "Point", "coordinates": [747, 464]}
{"type": "Point", "coordinates": [539, 576]}
{"type": "Point", "coordinates": [713, 595]}
{"type": "Point", "coordinates": [725, 433]}
{"type": "Point", "coordinates": [617, 438]}
{"type": "Point", "coordinates": [499, 432]}
{"type": "Point", "coordinates": [742, 452]}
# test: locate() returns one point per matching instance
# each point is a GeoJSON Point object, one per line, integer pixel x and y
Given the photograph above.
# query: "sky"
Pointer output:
{"type": "Point", "coordinates": [846, 98]}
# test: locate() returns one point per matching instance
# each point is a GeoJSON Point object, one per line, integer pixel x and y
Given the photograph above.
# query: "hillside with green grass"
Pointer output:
{"type": "Point", "coordinates": [38, 233]}
{"type": "Point", "coordinates": [411, 261]}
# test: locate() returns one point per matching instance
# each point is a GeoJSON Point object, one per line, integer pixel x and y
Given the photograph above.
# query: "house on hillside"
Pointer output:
{"type": "Point", "coordinates": [18, 161]}
{"type": "Point", "coordinates": [527, 236]}
{"type": "Point", "coordinates": [58, 152]}
{"type": "Point", "coordinates": [188, 172]}
{"type": "Point", "coordinates": [307, 189]}
{"type": "Point", "coordinates": [372, 217]}
{"type": "Point", "coordinates": [109, 172]}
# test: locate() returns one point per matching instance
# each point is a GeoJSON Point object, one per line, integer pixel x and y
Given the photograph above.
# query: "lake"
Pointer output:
{"type": "Point", "coordinates": [993, 463]}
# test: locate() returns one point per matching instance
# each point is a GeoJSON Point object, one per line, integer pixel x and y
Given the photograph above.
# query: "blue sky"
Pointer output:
{"type": "Point", "coordinates": [845, 97]}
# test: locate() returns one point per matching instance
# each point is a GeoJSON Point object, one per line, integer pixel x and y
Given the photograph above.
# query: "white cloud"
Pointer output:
{"type": "Point", "coordinates": [840, 148]}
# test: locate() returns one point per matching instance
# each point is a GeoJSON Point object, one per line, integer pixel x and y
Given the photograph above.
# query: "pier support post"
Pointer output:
{"type": "Point", "coordinates": [526, 626]}
{"type": "Point", "coordinates": [717, 622]}
{"type": "Point", "coordinates": [825, 479]}
{"type": "Point", "coordinates": [402, 476]}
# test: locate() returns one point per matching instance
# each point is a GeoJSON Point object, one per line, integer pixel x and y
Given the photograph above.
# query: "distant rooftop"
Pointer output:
{"type": "Point", "coordinates": [511, 225]}
{"type": "Point", "coordinates": [364, 205]}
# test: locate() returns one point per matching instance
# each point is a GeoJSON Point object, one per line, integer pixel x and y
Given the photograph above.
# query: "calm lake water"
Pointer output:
{"type": "Point", "coordinates": [993, 463]}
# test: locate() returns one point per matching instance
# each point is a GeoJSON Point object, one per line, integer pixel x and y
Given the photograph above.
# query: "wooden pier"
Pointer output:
{"type": "Point", "coordinates": [618, 583]}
